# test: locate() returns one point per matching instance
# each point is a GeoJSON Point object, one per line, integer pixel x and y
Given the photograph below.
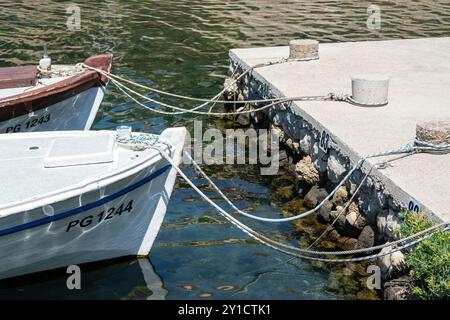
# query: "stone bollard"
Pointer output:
{"type": "Point", "coordinates": [436, 132]}
{"type": "Point", "coordinates": [303, 49]}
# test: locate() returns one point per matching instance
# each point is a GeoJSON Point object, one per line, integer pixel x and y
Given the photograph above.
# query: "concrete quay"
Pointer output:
{"type": "Point", "coordinates": [419, 90]}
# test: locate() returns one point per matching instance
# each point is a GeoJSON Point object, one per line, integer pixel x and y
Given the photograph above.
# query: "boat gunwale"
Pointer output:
{"type": "Point", "coordinates": [46, 96]}
{"type": "Point", "coordinates": [85, 207]}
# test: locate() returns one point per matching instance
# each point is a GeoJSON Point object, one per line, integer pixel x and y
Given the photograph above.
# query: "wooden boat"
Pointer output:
{"type": "Point", "coordinates": [73, 197]}
{"type": "Point", "coordinates": [65, 97]}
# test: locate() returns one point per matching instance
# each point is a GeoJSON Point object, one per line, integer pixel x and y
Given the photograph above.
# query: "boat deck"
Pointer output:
{"type": "Point", "coordinates": [33, 167]}
{"type": "Point", "coordinates": [419, 71]}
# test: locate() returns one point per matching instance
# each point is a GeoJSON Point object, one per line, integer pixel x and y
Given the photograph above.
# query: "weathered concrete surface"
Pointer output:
{"type": "Point", "coordinates": [419, 72]}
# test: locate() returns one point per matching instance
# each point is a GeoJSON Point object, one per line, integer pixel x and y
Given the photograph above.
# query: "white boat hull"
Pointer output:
{"type": "Point", "coordinates": [114, 220]}
{"type": "Point", "coordinates": [75, 113]}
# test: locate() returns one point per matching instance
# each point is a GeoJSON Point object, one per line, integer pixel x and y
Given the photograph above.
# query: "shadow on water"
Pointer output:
{"type": "Point", "coordinates": [181, 46]}
{"type": "Point", "coordinates": [120, 279]}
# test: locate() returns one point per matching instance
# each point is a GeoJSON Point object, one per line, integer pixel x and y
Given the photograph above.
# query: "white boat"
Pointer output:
{"type": "Point", "coordinates": [80, 196]}
{"type": "Point", "coordinates": [64, 97]}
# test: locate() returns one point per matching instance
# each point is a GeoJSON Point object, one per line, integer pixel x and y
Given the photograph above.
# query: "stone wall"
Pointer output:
{"type": "Point", "coordinates": [371, 218]}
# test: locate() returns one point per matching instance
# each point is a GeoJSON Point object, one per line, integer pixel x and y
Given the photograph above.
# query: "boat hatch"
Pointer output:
{"type": "Point", "coordinates": [17, 77]}
{"type": "Point", "coordinates": [82, 150]}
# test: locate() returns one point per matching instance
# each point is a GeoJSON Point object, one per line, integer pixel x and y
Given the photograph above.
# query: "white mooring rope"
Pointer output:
{"type": "Point", "coordinates": [273, 102]}
{"type": "Point", "coordinates": [405, 149]}
{"type": "Point", "coordinates": [116, 80]}
{"type": "Point", "coordinates": [303, 253]}
{"type": "Point", "coordinates": [214, 99]}
{"type": "Point", "coordinates": [287, 249]}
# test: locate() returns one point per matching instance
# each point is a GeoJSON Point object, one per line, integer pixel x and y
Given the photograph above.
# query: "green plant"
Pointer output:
{"type": "Point", "coordinates": [429, 262]}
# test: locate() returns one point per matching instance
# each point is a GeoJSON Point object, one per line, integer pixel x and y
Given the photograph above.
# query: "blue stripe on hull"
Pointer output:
{"type": "Point", "coordinates": [86, 207]}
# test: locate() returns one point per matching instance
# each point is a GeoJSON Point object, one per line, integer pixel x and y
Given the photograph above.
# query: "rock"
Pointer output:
{"type": "Point", "coordinates": [314, 196]}
{"type": "Point", "coordinates": [321, 165]}
{"type": "Point", "coordinates": [383, 199]}
{"type": "Point", "coordinates": [340, 197]}
{"type": "Point", "coordinates": [355, 219]}
{"type": "Point", "coordinates": [283, 158]}
{"type": "Point", "coordinates": [292, 125]}
{"type": "Point", "coordinates": [258, 118]}
{"type": "Point", "coordinates": [336, 169]}
{"type": "Point", "coordinates": [391, 264]}
{"type": "Point", "coordinates": [294, 146]}
{"type": "Point", "coordinates": [324, 212]}
{"type": "Point", "coordinates": [398, 289]}
{"type": "Point", "coordinates": [306, 172]}
{"type": "Point", "coordinates": [315, 152]}
{"type": "Point", "coordinates": [277, 132]}
{"type": "Point", "coordinates": [205, 294]}
{"type": "Point", "coordinates": [340, 223]}
{"type": "Point", "coordinates": [341, 280]}
{"type": "Point", "coordinates": [319, 265]}
{"type": "Point", "coordinates": [351, 186]}
{"type": "Point", "coordinates": [348, 243]}
{"type": "Point", "coordinates": [367, 294]}
{"type": "Point", "coordinates": [333, 284]}
{"type": "Point", "coordinates": [353, 207]}
{"type": "Point", "coordinates": [353, 182]}
{"type": "Point", "coordinates": [306, 144]}
{"type": "Point", "coordinates": [370, 207]}
{"type": "Point", "coordinates": [286, 192]}
{"type": "Point", "coordinates": [437, 132]}
{"type": "Point", "coordinates": [333, 235]}
{"type": "Point", "coordinates": [382, 221]}
{"type": "Point", "coordinates": [353, 224]}
{"type": "Point", "coordinates": [368, 184]}
{"type": "Point", "coordinates": [333, 214]}
{"type": "Point", "coordinates": [367, 238]}
{"type": "Point", "coordinates": [231, 89]}
{"type": "Point", "coordinates": [393, 223]}
{"type": "Point", "coordinates": [388, 224]}
{"type": "Point", "coordinates": [243, 119]}
{"type": "Point", "coordinates": [328, 245]}
{"type": "Point", "coordinates": [276, 118]}
{"type": "Point", "coordinates": [303, 189]}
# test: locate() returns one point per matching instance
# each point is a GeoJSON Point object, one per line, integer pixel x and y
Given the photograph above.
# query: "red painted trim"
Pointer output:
{"type": "Point", "coordinates": [33, 100]}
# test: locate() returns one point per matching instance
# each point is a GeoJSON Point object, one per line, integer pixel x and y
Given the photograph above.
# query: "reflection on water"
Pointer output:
{"type": "Point", "coordinates": [132, 279]}
{"type": "Point", "coordinates": [182, 46]}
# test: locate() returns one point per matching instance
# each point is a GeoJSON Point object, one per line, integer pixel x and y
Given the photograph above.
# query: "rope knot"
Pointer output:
{"type": "Point", "coordinates": [80, 66]}
{"type": "Point", "coordinates": [408, 148]}
{"type": "Point", "coordinates": [337, 96]}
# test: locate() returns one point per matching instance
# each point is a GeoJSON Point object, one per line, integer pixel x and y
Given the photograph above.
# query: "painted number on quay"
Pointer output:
{"type": "Point", "coordinates": [324, 143]}
{"type": "Point", "coordinates": [414, 205]}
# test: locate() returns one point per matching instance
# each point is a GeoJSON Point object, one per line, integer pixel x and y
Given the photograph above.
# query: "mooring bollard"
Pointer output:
{"type": "Point", "coordinates": [303, 49]}
{"type": "Point", "coordinates": [435, 132]}
{"type": "Point", "coordinates": [370, 90]}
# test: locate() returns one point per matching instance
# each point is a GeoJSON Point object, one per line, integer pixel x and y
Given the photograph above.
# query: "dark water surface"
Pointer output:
{"type": "Point", "coordinates": [181, 46]}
